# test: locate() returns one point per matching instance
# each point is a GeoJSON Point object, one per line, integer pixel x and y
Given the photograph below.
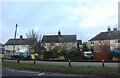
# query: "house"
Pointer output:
{"type": "Point", "coordinates": [109, 40]}
{"type": "Point", "coordinates": [19, 43]}
{"type": "Point", "coordinates": [59, 41]}
{"type": "Point", "coordinates": [104, 42]}
{"type": "Point", "coordinates": [1, 48]}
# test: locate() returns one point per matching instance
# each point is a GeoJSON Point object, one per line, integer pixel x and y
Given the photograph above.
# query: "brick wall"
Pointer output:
{"type": "Point", "coordinates": [101, 56]}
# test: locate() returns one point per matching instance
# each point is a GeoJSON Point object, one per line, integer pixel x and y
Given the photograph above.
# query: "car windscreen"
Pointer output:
{"type": "Point", "coordinates": [88, 53]}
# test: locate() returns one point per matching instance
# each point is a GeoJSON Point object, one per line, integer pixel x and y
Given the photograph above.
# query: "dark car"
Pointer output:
{"type": "Point", "coordinates": [87, 55]}
{"type": "Point", "coordinates": [20, 55]}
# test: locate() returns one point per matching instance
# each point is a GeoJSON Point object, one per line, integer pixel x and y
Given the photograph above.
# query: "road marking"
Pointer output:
{"type": "Point", "coordinates": [10, 69]}
{"type": "Point", "coordinates": [41, 74]}
{"type": "Point", "coordinates": [28, 71]}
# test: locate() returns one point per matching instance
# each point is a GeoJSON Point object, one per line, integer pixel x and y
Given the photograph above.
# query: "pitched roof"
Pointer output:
{"type": "Point", "coordinates": [57, 38]}
{"type": "Point", "coordinates": [107, 35]}
{"type": "Point", "coordinates": [18, 42]}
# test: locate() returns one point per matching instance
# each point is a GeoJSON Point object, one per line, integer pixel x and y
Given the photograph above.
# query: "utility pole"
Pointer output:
{"type": "Point", "coordinates": [15, 38]}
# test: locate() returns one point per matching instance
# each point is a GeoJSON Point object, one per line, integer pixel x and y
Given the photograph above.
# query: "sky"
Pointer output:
{"type": "Point", "coordinates": [84, 18]}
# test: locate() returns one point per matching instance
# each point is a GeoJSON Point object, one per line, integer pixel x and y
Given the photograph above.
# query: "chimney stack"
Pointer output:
{"type": "Point", "coordinates": [21, 37]}
{"type": "Point", "coordinates": [109, 29]}
{"type": "Point", "coordinates": [59, 33]}
{"type": "Point", "coordinates": [115, 29]}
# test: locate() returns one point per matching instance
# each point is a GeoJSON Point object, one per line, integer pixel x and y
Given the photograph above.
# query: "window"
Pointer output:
{"type": "Point", "coordinates": [23, 45]}
{"type": "Point", "coordinates": [43, 44]}
{"type": "Point", "coordinates": [116, 41]}
{"type": "Point", "coordinates": [65, 43]}
{"type": "Point", "coordinates": [99, 41]}
{"type": "Point", "coordinates": [92, 42]}
{"type": "Point", "coordinates": [52, 44]}
{"type": "Point", "coordinates": [119, 41]}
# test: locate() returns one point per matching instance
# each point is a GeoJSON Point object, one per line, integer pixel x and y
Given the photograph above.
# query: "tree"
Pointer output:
{"type": "Point", "coordinates": [35, 41]}
{"type": "Point", "coordinates": [85, 47]}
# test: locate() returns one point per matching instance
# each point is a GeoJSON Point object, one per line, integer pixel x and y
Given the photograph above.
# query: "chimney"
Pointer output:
{"type": "Point", "coordinates": [109, 29]}
{"type": "Point", "coordinates": [115, 29]}
{"type": "Point", "coordinates": [59, 33]}
{"type": "Point", "coordinates": [21, 37]}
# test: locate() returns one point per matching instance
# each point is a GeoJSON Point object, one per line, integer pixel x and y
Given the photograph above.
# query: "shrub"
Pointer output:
{"type": "Point", "coordinates": [73, 55]}
{"type": "Point", "coordinates": [50, 54]}
{"type": "Point", "coordinates": [47, 54]}
{"type": "Point", "coordinates": [62, 52]}
{"type": "Point", "coordinates": [114, 55]}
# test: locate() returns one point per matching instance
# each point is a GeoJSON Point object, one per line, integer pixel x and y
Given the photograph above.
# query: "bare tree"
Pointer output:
{"type": "Point", "coordinates": [34, 38]}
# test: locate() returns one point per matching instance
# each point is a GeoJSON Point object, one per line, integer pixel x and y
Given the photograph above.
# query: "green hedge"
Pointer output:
{"type": "Point", "coordinates": [50, 54]}
{"type": "Point", "coordinates": [73, 55]}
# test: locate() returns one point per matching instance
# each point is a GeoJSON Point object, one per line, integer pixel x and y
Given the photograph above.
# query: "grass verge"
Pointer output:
{"type": "Point", "coordinates": [79, 70]}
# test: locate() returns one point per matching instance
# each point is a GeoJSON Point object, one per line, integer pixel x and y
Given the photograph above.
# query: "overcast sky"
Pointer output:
{"type": "Point", "coordinates": [84, 18]}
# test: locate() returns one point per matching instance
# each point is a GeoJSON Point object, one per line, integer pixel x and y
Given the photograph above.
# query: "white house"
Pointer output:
{"type": "Point", "coordinates": [20, 43]}
{"type": "Point", "coordinates": [56, 41]}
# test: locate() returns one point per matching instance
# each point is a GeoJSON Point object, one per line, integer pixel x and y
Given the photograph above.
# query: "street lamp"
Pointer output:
{"type": "Point", "coordinates": [15, 38]}
{"type": "Point", "coordinates": [109, 34]}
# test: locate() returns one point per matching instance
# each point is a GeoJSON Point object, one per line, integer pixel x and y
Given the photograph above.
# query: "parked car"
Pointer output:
{"type": "Point", "coordinates": [87, 55]}
{"type": "Point", "coordinates": [21, 55]}
{"type": "Point", "coordinates": [115, 51]}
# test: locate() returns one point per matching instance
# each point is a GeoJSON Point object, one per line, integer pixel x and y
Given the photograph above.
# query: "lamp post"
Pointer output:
{"type": "Point", "coordinates": [109, 34]}
{"type": "Point", "coordinates": [109, 40]}
{"type": "Point", "coordinates": [15, 38]}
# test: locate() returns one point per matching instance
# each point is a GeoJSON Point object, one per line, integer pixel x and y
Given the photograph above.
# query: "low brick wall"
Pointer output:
{"type": "Point", "coordinates": [101, 56]}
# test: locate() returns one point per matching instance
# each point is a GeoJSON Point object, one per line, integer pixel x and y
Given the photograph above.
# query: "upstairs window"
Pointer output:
{"type": "Point", "coordinates": [119, 41]}
{"type": "Point", "coordinates": [92, 42]}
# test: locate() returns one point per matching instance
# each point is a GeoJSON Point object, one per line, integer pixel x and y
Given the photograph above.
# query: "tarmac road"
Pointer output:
{"type": "Point", "coordinates": [16, 73]}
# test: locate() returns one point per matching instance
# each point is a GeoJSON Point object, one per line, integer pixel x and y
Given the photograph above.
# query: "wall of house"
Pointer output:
{"type": "Point", "coordinates": [114, 44]}
{"type": "Point", "coordinates": [105, 43]}
{"type": "Point", "coordinates": [100, 44]}
{"type": "Point", "coordinates": [68, 46]}
{"type": "Point", "coordinates": [17, 47]}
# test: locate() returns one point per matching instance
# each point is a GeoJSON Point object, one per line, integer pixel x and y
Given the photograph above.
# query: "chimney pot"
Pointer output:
{"type": "Point", "coordinates": [21, 37]}
{"type": "Point", "coordinates": [109, 29]}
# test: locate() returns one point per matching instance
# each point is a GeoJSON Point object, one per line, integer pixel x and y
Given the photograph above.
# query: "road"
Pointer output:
{"type": "Point", "coordinates": [16, 73]}
{"type": "Point", "coordinates": [72, 63]}
{"type": "Point", "coordinates": [25, 72]}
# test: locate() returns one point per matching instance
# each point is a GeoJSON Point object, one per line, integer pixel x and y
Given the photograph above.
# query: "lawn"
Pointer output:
{"type": "Point", "coordinates": [79, 70]}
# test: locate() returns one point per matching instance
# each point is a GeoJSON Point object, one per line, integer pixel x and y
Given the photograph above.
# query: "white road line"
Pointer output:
{"type": "Point", "coordinates": [10, 69]}
{"type": "Point", "coordinates": [28, 71]}
{"type": "Point", "coordinates": [41, 74]}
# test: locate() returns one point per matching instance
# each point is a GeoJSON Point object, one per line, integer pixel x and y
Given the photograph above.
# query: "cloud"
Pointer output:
{"type": "Point", "coordinates": [92, 16]}
{"type": "Point", "coordinates": [83, 18]}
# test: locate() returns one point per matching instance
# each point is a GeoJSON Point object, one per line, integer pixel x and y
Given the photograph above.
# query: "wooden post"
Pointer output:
{"type": "Point", "coordinates": [69, 62]}
{"type": "Point", "coordinates": [34, 61]}
{"type": "Point", "coordinates": [18, 60]}
{"type": "Point", "coordinates": [2, 60]}
{"type": "Point", "coordinates": [103, 63]}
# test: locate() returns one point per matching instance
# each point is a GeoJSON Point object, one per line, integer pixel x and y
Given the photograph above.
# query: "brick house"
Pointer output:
{"type": "Point", "coordinates": [106, 41]}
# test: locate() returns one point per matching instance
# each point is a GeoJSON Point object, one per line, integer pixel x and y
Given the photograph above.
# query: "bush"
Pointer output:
{"type": "Point", "coordinates": [114, 55]}
{"type": "Point", "coordinates": [62, 52]}
{"type": "Point", "coordinates": [50, 54]}
{"type": "Point", "coordinates": [47, 54]}
{"type": "Point", "coordinates": [73, 55]}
